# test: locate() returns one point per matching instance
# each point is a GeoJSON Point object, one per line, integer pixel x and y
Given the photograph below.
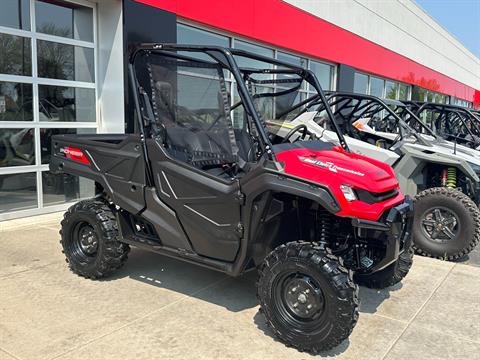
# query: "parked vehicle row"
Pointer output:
{"type": "Point", "coordinates": [442, 177]}
{"type": "Point", "coordinates": [296, 184]}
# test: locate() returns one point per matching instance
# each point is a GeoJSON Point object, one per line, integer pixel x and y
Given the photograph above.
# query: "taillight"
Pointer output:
{"type": "Point", "coordinates": [74, 154]}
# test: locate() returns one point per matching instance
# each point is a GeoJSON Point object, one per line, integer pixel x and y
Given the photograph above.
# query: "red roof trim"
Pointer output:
{"type": "Point", "coordinates": [283, 25]}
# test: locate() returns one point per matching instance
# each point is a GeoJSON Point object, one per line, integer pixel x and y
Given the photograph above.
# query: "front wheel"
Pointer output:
{"type": "Point", "coordinates": [446, 224]}
{"type": "Point", "coordinates": [89, 237]}
{"type": "Point", "coordinates": [308, 297]}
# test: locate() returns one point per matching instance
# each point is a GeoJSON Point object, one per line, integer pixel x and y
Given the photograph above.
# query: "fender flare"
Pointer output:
{"type": "Point", "coordinates": [274, 182]}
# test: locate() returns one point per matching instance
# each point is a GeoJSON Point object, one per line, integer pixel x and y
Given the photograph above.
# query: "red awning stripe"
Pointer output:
{"type": "Point", "coordinates": [283, 25]}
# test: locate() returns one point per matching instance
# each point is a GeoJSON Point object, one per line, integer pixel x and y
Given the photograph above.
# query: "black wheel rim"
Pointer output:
{"type": "Point", "coordinates": [440, 224]}
{"type": "Point", "coordinates": [299, 300]}
{"type": "Point", "coordinates": [84, 245]}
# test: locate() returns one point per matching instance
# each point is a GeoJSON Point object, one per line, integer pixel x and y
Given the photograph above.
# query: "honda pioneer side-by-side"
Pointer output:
{"type": "Point", "coordinates": [205, 182]}
{"type": "Point", "coordinates": [442, 176]}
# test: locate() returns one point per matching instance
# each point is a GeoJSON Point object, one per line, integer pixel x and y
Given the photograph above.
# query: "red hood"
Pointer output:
{"type": "Point", "coordinates": [335, 167]}
{"type": "Point", "coordinates": [349, 168]}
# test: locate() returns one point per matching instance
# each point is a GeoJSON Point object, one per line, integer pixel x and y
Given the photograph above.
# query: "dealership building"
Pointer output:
{"type": "Point", "coordinates": [63, 67]}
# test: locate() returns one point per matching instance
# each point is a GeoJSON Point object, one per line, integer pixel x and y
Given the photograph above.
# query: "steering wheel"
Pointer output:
{"type": "Point", "coordinates": [294, 130]}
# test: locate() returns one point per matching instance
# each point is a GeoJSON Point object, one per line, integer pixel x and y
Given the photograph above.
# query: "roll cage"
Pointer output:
{"type": "Point", "coordinates": [448, 121]}
{"type": "Point", "coordinates": [225, 59]}
{"type": "Point", "coordinates": [386, 115]}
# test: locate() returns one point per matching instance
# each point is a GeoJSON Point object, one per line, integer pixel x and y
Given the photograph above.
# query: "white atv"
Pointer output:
{"type": "Point", "coordinates": [442, 176]}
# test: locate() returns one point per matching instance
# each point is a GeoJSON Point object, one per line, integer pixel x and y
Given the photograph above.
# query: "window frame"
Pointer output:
{"type": "Point", "coordinates": [36, 81]}
{"type": "Point", "coordinates": [385, 80]}
{"type": "Point", "coordinates": [234, 37]}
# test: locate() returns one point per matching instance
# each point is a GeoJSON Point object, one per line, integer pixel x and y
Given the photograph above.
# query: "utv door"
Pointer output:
{"type": "Point", "coordinates": [207, 208]}
{"type": "Point", "coordinates": [193, 149]}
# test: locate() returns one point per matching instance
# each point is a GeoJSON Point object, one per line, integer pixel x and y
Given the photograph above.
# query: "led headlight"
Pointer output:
{"type": "Point", "coordinates": [348, 192]}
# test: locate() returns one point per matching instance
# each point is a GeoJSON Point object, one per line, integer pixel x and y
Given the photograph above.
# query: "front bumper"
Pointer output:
{"type": "Point", "coordinates": [394, 230]}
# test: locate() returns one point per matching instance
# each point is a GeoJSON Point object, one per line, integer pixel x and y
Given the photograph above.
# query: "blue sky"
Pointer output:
{"type": "Point", "coordinates": [460, 17]}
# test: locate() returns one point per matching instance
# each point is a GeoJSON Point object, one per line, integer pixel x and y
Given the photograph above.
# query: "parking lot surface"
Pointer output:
{"type": "Point", "coordinates": [160, 308]}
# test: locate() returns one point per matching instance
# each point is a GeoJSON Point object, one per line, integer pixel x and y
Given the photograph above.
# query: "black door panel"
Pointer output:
{"type": "Point", "coordinates": [165, 222]}
{"type": "Point", "coordinates": [206, 206]}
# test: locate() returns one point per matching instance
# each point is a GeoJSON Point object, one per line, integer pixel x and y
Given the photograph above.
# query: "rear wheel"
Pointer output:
{"type": "Point", "coordinates": [308, 297]}
{"type": "Point", "coordinates": [446, 224]}
{"type": "Point", "coordinates": [90, 240]}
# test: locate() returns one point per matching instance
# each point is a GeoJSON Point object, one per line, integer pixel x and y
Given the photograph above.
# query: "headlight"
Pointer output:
{"type": "Point", "coordinates": [348, 192]}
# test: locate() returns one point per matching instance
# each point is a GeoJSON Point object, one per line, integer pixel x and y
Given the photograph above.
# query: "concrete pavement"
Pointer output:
{"type": "Point", "coordinates": [160, 308]}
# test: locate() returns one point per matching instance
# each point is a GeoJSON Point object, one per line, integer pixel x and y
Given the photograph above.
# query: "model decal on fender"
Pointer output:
{"type": "Point", "coordinates": [329, 165]}
{"type": "Point", "coordinates": [71, 151]}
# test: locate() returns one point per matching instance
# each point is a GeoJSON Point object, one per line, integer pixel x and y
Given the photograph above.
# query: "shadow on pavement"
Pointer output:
{"type": "Point", "coordinates": [371, 299]}
{"type": "Point", "coordinates": [233, 294]}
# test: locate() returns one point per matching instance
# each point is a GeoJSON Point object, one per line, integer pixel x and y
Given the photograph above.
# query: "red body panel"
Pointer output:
{"type": "Point", "coordinates": [336, 167]}
{"type": "Point", "coordinates": [283, 25]}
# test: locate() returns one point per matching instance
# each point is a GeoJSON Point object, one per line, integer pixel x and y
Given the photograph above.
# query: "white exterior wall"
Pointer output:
{"type": "Point", "coordinates": [110, 67]}
{"type": "Point", "coordinates": [403, 27]}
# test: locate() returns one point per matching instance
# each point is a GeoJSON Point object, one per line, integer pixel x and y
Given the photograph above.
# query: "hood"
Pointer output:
{"type": "Point", "coordinates": [332, 166]}
{"type": "Point", "coordinates": [446, 148]}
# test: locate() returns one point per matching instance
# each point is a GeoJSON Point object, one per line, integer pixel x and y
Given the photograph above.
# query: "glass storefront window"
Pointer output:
{"type": "Point", "coordinates": [65, 62]}
{"type": "Point", "coordinates": [17, 147]}
{"type": "Point", "coordinates": [34, 105]}
{"type": "Point", "coordinates": [64, 19]}
{"type": "Point", "coordinates": [419, 94]}
{"type": "Point", "coordinates": [191, 35]}
{"type": "Point", "coordinates": [18, 192]}
{"type": "Point", "coordinates": [379, 87]}
{"type": "Point", "coordinates": [260, 50]}
{"type": "Point", "coordinates": [257, 49]}
{"type": "Point", "coordinates": [59, 103]}
{"type": "Point", "coordinates": [15, 14]}
{"type": "Point", "coordinates": [291, 59]}
{"type": "Point", "coordinates": [403, 93]}
{"type": "Point", "coordinates": [323, 72]}
{"type": "Point", "coordinates": [62, 188]}
{"type": "Point", "coordinates": [360, 84]}
{"type": "Point", "coordinates": [376, 86]}
{"type": "Point", "coordinates": [15, 55]}
{"type": "Point", "coordinates": [16, 101]}
{"type": "Point", "coordinates": [391, 89]}
{"type": "Point", "coordinates": [461, 102]}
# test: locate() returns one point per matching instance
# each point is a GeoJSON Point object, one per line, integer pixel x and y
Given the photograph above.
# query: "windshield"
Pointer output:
{"type": "Point", "coordinates": [222, 95]}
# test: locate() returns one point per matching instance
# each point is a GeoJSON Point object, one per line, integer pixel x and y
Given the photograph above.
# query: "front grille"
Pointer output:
{"type": "Point", "coordinates": [373, 197]}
